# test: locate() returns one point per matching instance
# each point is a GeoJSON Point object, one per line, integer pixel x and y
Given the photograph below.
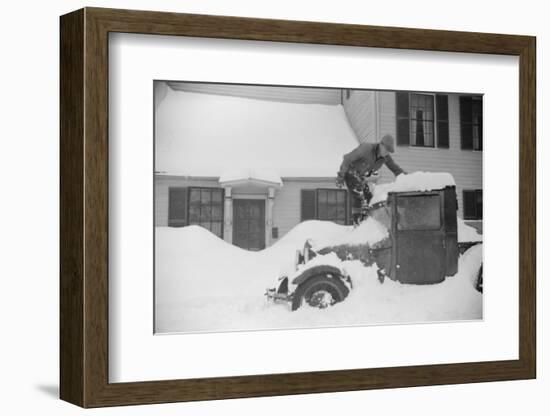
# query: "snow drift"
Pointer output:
{"type": "Point", "coordinates": [203, 284]}
{"type": "Point", "coordinates": [467, 233]}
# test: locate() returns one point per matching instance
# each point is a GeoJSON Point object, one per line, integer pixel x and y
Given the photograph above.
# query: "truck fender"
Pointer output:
{"type": "Point", "coordinates": [322, 269]}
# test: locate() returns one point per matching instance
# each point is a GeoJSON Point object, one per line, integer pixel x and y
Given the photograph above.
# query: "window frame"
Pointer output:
{"type": "Point", "coordinates": [434, 121]}
{"type": "Point", "coordinates": [211, 189]}
{"type": "Point", "coordinates": [346, 204]}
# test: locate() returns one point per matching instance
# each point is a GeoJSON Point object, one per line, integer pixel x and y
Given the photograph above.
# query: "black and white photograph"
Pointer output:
{"type": "Point", "coordinates": [294, 207]}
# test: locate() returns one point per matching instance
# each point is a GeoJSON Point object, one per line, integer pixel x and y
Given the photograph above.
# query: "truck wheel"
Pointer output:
{"type": "Point", "coordinates": [320, 291]}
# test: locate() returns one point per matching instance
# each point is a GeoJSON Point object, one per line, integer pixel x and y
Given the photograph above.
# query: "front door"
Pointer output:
{"type": "Point", "coordinates": [419, 238]}
{"type": "Point", "coordinates": [249, 223]}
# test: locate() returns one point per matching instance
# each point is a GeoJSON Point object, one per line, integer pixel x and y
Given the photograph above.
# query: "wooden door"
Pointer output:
{"type": "Point", "coordinates": [249, 223]}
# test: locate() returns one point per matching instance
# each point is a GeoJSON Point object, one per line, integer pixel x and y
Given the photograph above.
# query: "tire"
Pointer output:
{"type": "Point", "coordinates": [320, 291]}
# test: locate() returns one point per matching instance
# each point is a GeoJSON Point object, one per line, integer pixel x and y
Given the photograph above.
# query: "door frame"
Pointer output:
{"type": "Point", "coordinates": [255, 197]}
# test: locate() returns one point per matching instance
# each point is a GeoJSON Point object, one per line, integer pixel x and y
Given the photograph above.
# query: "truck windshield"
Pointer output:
{"type": "Point", "coordinates": [418, 212]}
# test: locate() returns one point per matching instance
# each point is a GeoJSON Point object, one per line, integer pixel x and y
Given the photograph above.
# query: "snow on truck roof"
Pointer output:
{"type": "Point", "coordinates": [209, 135]}
{"type": "Point", "coordinates": [417, 181]}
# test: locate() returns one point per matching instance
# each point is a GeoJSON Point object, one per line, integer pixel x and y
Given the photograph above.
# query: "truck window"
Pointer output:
{"type": "Point", "coordinates": [418, 212]}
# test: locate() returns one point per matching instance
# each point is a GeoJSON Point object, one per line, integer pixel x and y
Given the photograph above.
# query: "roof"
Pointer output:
{"type": "Point", "coordinates": [236, 176]}
{"type": "Point", "coordinates": [206, 135]}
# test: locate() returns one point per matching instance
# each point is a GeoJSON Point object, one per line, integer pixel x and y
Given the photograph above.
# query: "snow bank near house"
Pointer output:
{"type": "Point", "coordinates": [467, 233]}
{"type": "Point", "coordinates": [417, 181]}
{"type": "Point", "coordinates": [205, 284]}
{"type": "Point", "coordinates": [206, 135]}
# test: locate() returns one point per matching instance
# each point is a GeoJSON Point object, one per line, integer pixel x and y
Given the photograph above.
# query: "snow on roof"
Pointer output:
{"type": "Point", "coordinates": [207, 135]}
{"type": "Point", "coordinates": [259, 175]}
{"type": "Point", "coordinates": [417, 181]}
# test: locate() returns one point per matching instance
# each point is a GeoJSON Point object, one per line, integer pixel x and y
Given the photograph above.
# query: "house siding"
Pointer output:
{"type": "Point", "coordinates": [464, 165]}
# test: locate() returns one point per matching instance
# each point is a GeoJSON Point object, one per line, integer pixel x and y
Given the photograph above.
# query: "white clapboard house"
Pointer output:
{"type": "Point", "coordinates": [251, 162]}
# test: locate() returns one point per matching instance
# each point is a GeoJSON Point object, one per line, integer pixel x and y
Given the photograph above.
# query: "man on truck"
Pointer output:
{"type": "Point", "coordinates": [360, 167]}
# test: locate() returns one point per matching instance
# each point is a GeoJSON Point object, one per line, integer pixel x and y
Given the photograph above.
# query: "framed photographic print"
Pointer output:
{"type": "Point", "coordinates": [255, 207]}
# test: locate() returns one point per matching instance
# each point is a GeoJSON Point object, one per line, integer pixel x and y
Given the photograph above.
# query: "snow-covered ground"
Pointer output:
{"type": "Point", "coordinates": [205, 284]}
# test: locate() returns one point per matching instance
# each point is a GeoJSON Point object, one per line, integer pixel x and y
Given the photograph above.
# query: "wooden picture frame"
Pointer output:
{"type": "Point", "coordinates": [84, 207]}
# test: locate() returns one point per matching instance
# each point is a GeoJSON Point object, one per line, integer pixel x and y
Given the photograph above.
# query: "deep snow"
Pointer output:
{"type": "Point", "coordinates": [467, 233]}
{"type": "Point", "coordinates": [207, 135]}
{"type": "Point", "coordinates": [204, 284]}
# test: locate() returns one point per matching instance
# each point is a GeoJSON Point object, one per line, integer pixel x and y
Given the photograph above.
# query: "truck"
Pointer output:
{"type": "Point", "coordinates": [421, 247]}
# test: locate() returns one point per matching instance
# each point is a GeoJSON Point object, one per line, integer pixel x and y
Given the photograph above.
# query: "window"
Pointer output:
{"type": "Point", "coordinates": [325, 204]}
{"type": "Point", "coordinates": [472, 204]}
{"type": "Point", "coordinates": [196, 206]}
{"type": "Point", "coordinates": [206, 209]}
{"type": "Point", "coordinates": [331, 205]}
{"type": "Point", "coordinates": [471, 123]}
{"type": "Point", "coordinates": [419, 212]}
{"type": "Point", "coordinates": [422, 119]}
{"type": "Point", "coordinates": [421, 114]}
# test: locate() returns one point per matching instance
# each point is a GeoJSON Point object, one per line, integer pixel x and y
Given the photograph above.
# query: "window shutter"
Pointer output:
{"type": "Point", "coordinates": [466, 137]}
{"type": "Point", "coordinates": [469, 204]}
{"type": "Point", "coordinates": [402, 117]}
{"type": "Point", "coordinates": [349, 218]}
{"type": "Point", "coordinates": [479, 204]}
{"type": "Point", "coordinates": [177, 207]}
{"type": "Point", "coordinates": [309, 204]}
{"type": "Point", "coordinates": [442, 110]}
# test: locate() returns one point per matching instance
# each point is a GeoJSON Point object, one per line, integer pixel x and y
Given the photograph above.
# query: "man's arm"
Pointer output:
{"type": "Point", "coordinates": [351, 157]}
{"type": "Point", "coordinates": [394, 167]}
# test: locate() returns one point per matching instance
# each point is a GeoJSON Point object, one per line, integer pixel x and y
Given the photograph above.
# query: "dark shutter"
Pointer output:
{"type": "Point", "coordinates": [349, 218]}
{"type": "Point", "coordinates": [477, 110]}
{"type": "Point", "coordinates": [442, 109]}
{"type": "Point", "coordinates": [177, 207]}
{"type": "Point", "coordinates": [466, 137]}
{"type": "Point", "coordinates": [479, 204]}
{"type": "Point", "coordinates": [309, 204]}
{"type": "Point", "coordinates": [402, 117]}
{"type": "Point", "coordinates": [469, 204]}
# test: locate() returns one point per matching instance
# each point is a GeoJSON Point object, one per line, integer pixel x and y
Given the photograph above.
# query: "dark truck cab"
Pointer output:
{"type": "Point", "coordinates": [421, 248]}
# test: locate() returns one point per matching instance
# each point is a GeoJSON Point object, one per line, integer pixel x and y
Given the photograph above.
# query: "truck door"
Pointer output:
{"type": "Point", "coordinates": [419, 238]}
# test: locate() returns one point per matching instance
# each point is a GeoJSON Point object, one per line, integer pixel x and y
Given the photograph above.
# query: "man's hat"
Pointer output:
{"type": "Point", "coordinates": [388, 142]}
